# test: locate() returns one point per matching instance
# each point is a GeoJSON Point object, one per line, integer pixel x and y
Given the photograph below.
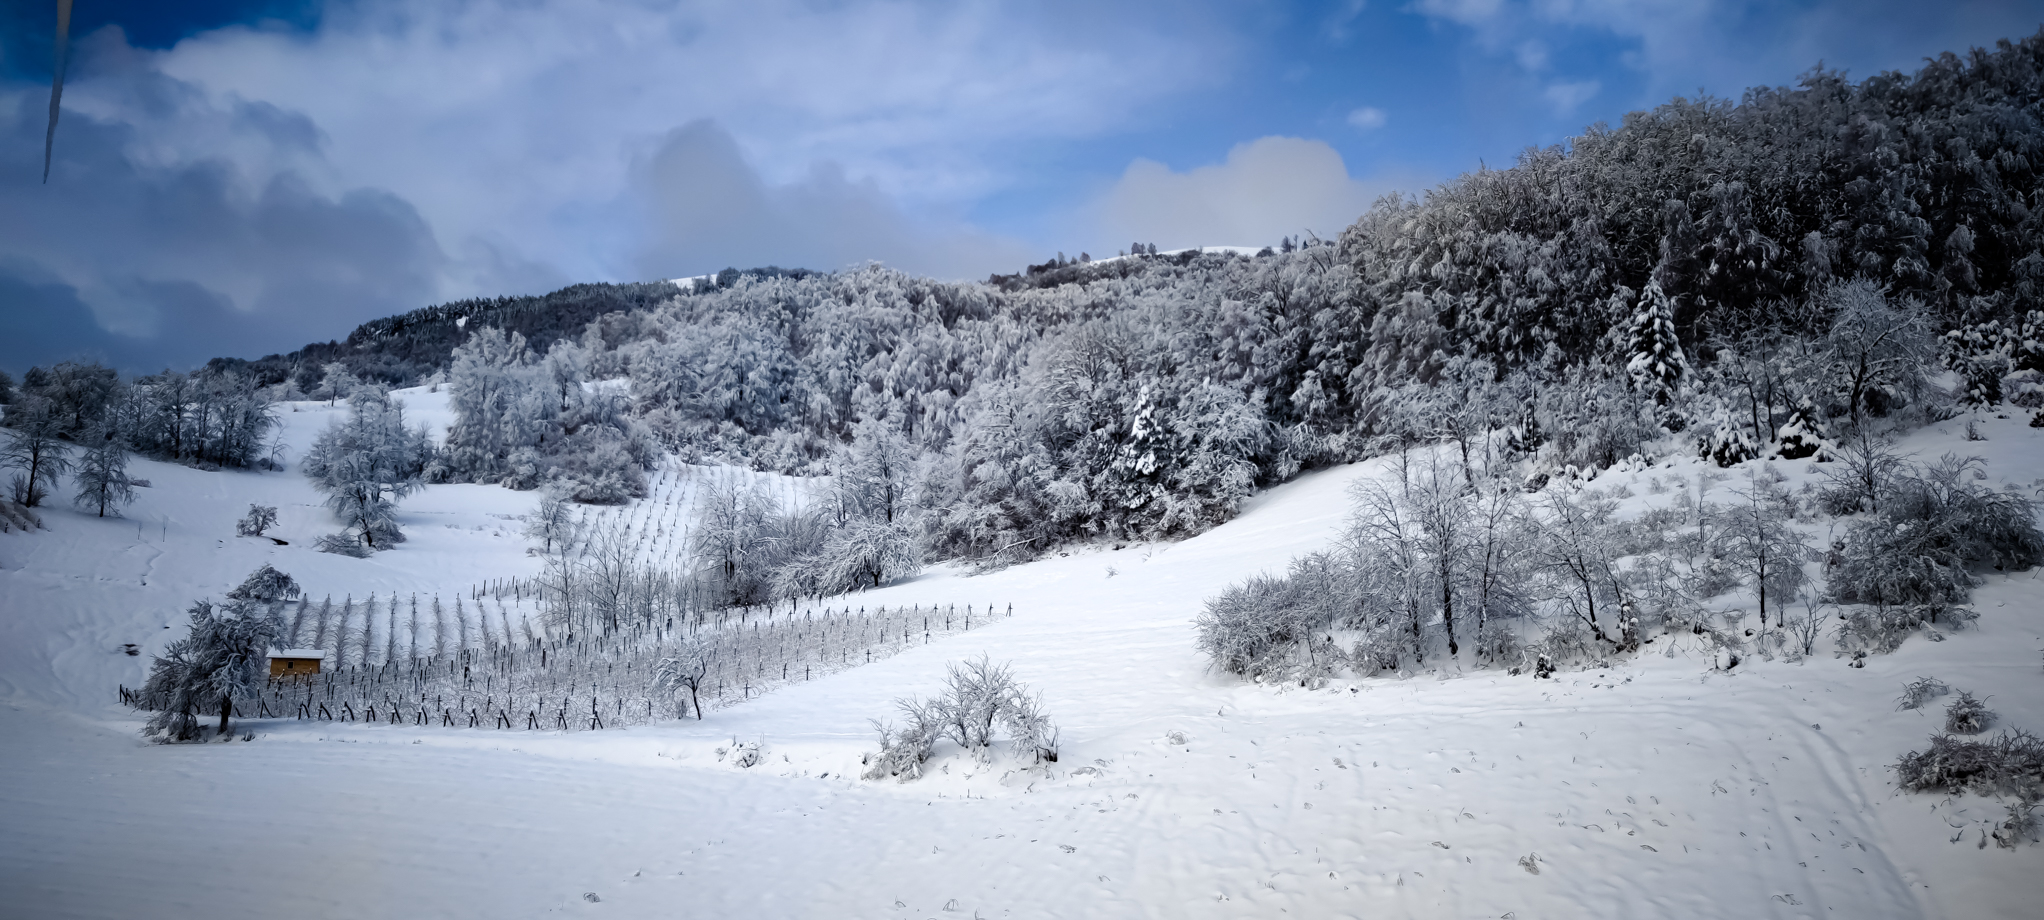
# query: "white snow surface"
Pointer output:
{"type": "Point", "coordinates": [1656, 788]}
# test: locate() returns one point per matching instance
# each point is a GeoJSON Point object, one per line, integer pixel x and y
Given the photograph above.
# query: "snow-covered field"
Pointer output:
{"type": "Point", "coordinates": [1655, 788]}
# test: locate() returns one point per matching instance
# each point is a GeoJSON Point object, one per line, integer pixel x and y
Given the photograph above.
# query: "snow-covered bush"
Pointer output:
{"type": "Point", "coordinates": [1726, 442]}
{"type": "Point", "coordinates": [1273, 628]}
{"type": "Point", "coordinates": [13, 516]}
{"type": "Point", "coordinates": [2018, 824]}
{"type": "Point", "coordinates": [979, 696]}
{"type": "Point", "coordinates": [1920, 691]}
{"type": "Point", "coordinates": [1933, 528]}
{"type": "Point", "coordinates": [258, 519]}
{"type": "Point", "coordinates": [2011, 762]}
{"type": "Point", "coordinates": [1967, 715]}
{"type": "Point", "coordinates": [341, 544]}
{"type": "Point", "coordinates": [1802, 436]}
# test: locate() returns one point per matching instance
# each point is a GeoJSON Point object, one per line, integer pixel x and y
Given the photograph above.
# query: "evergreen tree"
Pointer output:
{"type": "Point", "coordinates": [1655, 362]}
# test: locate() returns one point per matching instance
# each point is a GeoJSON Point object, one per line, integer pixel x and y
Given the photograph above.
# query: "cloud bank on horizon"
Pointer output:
{"type": "Point", "coordinates": [259, 173]}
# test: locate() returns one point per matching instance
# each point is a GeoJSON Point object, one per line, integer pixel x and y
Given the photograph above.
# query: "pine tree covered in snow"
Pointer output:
{"type": "Point", "coordinates": [1657, 365]}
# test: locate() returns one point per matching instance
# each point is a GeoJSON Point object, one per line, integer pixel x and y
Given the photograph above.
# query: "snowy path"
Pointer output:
{"type": "Point", "coordinates": [1653, 789]}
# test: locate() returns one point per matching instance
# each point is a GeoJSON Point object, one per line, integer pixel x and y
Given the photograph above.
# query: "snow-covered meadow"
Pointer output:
{"type": "Point", "coordinates": [1657, 787]}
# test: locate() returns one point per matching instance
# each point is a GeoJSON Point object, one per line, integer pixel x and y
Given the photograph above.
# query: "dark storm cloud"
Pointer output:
{"type": "Point", "coordinates": [149, 260]}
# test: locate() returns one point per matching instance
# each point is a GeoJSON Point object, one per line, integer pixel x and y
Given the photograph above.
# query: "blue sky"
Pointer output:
{"type": "Point", "coordinates": [243, 176]}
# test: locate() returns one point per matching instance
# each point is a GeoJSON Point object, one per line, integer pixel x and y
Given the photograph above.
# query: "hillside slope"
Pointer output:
{"type": "Point", "coordinates": [1655, 788]}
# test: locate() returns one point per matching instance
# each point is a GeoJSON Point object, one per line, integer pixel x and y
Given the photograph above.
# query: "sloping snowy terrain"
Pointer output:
{"type": "Point", "coordinates": [1655, 788]}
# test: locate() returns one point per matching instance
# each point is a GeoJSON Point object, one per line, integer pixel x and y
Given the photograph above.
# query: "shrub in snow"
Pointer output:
{"type": "Point", "coordinates": [1920, 691]}
{"type": "Point", "coordinates": [1726, 443]}
{"type": "Point", "coordinates": [15, 517]}
{"type": "Point", "coordinates": [258, 519]}
{"type": "Point", "coordinates": [222, 657]}
{"type": "Point", "coordinates": [1862, 474]}
{"type": "Point", "coordinates": [1802, 436]}
{"type": "Point", "coordinates": [1270, 628]}
{"type": "Point", "coordinates": [1498, 643]}
{"type": "Point", "coordinates": [2010, 762]}
{"type": "Point", "coordinates": [1967, 716]}
{"type": "Point", "coordinates": [1878, 629]}
{"type": "Point", "coordinates": [979, 696]}
{"type": "Point", "coordinates": [342, 544]}
{"type": "Point", "coordinates": [1934, 526]}
{"type": "Point", "coordinates": [2017, 825]}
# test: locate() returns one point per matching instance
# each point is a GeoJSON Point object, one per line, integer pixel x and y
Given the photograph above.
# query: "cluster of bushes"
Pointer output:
{"type": "Point", "coordinates": [979, 697]}
{"type": "Point", "coordinates": [1437, 556]}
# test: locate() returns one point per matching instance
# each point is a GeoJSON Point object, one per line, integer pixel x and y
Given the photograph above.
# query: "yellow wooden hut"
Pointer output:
{"type": "Point", "coordinates": [296, 662]}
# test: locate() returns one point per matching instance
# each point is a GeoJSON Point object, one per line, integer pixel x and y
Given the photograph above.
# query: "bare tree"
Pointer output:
{"type": "Point", "coordinates": [686, 670]}
{"type": "Point", "coordinates": [1874, 344]}
{"type": "Point", "coordinates": [1771, 551]}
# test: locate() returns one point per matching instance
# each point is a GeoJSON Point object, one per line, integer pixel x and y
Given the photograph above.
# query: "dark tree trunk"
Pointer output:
{"type": "Point", "coordinates": [226, 709]}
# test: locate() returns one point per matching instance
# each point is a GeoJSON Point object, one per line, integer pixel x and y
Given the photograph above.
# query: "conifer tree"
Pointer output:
{"type": "Point", "coordinates": [1655, 362]}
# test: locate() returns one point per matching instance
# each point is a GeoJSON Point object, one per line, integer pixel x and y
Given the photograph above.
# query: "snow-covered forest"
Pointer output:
{"type": "Point", "coordinates": [1614, 494]}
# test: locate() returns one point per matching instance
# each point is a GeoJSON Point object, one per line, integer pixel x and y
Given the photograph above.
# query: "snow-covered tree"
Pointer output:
{"type": "Point", "coordinates": [35, 448]}
{"type": "Point", "coordinates": [222, 656]}
{"type": "Point", "coordinates": [1765, 544]}
{"type": "Point", "coordinates": [1878, 349]}
{"type": "Point", "coordinates": [366, 464]}
{"type": "Point", "coordinates": [686, 669]}
{"type": "Point", "coordinates": [487, 380]}
{"type": "Point", "coordinates": [1654, 359]}
{"type": "Point", "coordinates": [258, 519]}
{"type": "Point", "coordinates": [551, 523]}
{"type": "Point", "coordinates": [867, 554]}
{"type": "Point", "coordinates": [102, 479]}
{"type": "Point", "coordinates": [336, 383]}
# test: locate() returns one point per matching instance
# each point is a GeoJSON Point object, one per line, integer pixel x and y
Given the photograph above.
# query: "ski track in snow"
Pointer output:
{"type": "Point", "coordinates": [1653, 788]}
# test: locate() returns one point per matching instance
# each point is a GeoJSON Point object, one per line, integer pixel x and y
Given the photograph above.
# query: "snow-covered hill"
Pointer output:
{"type": "Point", "coordinates": [1658, 787]}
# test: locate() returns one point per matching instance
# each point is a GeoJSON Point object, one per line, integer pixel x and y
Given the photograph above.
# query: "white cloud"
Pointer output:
{"type": "Point", "coordinates": [1466, 12]}
{"type": "Point", "coordinates": [706, 209]}
{"type": "Point", "coordinates": [1339, 20]}
{"type": "Point", "coordinates": [1367, 118]}
{"type": "Point", "coordinates": [1268, 188]}
{"type": "Point", "coordinates": [520, 143]}
{"type": "Point", "coordinates": [1568, 96]}
{"type": "Point", "coordinates": [503, 121]}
